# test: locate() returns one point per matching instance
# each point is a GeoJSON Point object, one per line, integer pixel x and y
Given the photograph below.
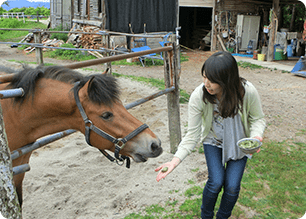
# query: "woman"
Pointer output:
{"type": "Point", "coordinates": [221, 111]}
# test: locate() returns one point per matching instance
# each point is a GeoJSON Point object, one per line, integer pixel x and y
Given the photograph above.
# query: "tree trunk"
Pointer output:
{"type": "Point", "coordinates": [9, 205]}
{"type": "Point", "coordinates": [292, 18]}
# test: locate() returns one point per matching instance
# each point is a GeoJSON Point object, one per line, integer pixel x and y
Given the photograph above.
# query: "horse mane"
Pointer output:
{"type": "Point", "coordinates": [102, 89]}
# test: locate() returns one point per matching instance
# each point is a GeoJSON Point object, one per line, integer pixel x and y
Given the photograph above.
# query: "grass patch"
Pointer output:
{"type": "Point", "coordinates": [274, 183]}
{"type": "Point", "coordinates": [159, 83]}
{"type": "Point", "coordinates": [59, 36]}
{"type": "Point", "coordinates": [16, 36]}
{"type": "Point", "coordinates": [74, 55]}
{"type": "Point", "coordinates": [249, 65]}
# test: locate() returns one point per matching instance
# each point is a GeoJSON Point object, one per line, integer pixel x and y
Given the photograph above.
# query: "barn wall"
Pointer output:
{"type": "Point", "coordinates": [235, 7]}
{"type": "Point", "coordinates": [91, 12]}
{"type": "Point", "coordinates": [61, 13]}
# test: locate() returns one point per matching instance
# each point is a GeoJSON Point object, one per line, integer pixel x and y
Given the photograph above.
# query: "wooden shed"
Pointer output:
{"type": "Point", "coordinates": [205, 24]}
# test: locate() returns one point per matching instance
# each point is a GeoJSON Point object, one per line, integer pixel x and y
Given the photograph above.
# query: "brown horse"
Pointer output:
{"type": "Point", "coordinates": [49, 105]}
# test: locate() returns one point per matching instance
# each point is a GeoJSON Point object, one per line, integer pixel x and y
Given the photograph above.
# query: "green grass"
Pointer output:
{"type": "Point", "coordinates": [249, 65]}
{"type": "Point", "coordinates": [16, 36]}
{"type": "Point", "coordinates": [59, 36]}
{"type": "Point", "coordinates": [273, 187]}
{"type": "Point", "coordinates": [159, 83]}
{"type": "Point", "coordinates": [274, 183]}
{"type": "Point", "coordinates": [74, 55]}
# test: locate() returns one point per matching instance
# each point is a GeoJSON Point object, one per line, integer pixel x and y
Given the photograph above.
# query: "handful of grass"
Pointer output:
{"type": "Point", "coordinates": [165, 169]}
{"type": "Point", "coordinates": [248, 144]}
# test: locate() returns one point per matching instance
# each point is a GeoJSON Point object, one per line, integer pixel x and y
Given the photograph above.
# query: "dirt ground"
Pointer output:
{"type": "Point", "coordinates": [70, 180]}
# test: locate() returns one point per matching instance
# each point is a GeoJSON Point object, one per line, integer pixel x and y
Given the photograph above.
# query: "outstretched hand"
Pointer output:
{"type": "Point", "coordinates": [166, 168]}
{"type": "Point", "coordinates": [260, 139]}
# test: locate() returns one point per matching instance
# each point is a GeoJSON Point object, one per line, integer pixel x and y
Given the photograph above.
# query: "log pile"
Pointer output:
{"type": "Point", "coordinates": [29, 38]}
{"type": "Point", "coordinates": [46, 42]}
{"type": "Point", "coordinates": [87, 41]}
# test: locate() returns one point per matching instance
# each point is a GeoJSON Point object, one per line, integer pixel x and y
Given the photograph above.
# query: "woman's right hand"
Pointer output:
{"type": "Point", "coordinates": [169, 166]}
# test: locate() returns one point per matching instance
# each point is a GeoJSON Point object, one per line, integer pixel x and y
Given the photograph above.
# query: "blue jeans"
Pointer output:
{"type": "Point", "coordinates": [227, 177]}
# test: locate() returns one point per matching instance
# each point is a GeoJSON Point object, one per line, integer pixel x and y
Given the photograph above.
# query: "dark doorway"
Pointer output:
{"type": "Point", "coordinates": [196, 24]}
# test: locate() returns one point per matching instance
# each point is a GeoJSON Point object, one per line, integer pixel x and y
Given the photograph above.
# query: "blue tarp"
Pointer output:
{"type": "Point", "coordinates": [300, 67]}
{"type": "Point", "coordinates": [242, 55]}
{"type": "Point", "coordinates": [300, 73]}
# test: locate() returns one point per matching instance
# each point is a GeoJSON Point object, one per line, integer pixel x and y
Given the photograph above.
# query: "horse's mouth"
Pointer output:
{"type": "Point", "coordinates": [139, 158]}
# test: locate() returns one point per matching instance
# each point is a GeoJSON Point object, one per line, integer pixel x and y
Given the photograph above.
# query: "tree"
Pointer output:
{"type": "Point", "coordinates": [9, 204]}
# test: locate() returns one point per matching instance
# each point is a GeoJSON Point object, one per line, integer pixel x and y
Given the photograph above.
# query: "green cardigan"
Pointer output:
{"type": "Point", "coordinates": [200, 116]}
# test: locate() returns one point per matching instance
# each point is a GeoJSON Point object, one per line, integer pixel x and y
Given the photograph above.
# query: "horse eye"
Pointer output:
{"type": "Point", "coordinates": [107, 115]}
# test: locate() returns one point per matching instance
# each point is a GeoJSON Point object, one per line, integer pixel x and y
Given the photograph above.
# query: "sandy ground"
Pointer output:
{"type": "Point", "coordinates": [69, 179]}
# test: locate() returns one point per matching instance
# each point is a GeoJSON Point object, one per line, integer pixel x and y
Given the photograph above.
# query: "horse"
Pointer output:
{"type": "Point", "coordinates": [57, 98]}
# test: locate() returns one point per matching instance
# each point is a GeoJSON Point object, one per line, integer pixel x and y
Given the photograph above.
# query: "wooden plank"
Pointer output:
{"type": "Point", "coordinates": [221, 42]}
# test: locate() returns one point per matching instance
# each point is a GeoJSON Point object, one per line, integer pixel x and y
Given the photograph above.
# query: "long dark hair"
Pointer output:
{"type": "Point", "coordinates": [221, 68]}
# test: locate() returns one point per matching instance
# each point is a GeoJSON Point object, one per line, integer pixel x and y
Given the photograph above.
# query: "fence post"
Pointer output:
{"type": "Point", "coordinates": [172, 78]}
{"type": "Point", "coordinates": [9, 204]}
{"type": "Point", "coordinates": [38, 50]}
{"type": "Point", "coordinates": [109, 64]}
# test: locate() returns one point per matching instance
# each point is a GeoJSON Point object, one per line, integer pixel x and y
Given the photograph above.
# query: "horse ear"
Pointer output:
{"type": "Point", "coordinates": [83, 92]}
{"type": "Point", "coordinates": [91, 82]}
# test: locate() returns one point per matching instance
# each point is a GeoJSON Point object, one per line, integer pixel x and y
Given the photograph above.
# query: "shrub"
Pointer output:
{"type": "Point", "coordinates": [10, 23]}
{"type": "Point", "coordinates": [59, 36]}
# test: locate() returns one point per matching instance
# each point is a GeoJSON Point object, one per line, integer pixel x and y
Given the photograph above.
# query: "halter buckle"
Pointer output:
{"type": "Point", "coordinates": [88, 121]}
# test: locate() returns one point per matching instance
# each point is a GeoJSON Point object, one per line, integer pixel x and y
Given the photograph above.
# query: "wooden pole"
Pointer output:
{"type": "Point", "coordinates": [213, 35]}
{"type": "Point", "coordinates": [293, 16]}
{"type": "Point", "coordinates": [38, 51]}
{"type": "Point", "coordinates": [273, 30]}
{"type": "Point", "coordinates": [109, 64]}
{"type": "Point", "coordinates": [9, 204]}
{"type": "Point", "coordinates": [172, 78]}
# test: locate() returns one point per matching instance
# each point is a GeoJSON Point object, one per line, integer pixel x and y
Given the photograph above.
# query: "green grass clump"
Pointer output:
{"type": "Point", "coordinates": [159, 83]}
{"type": "Point", "coordinates": [69, 54]}
{"type": "Point", "coordinates": [249, 65]}
{"type": "Point", "coordinates": [59, 36]}
{"type": "Point", "coordinates": [13, 35]}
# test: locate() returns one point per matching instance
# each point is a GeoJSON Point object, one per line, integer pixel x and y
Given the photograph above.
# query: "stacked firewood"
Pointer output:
{"type": "Point", "coordinates": [79, 40]}
{"type": "Point", "coordinates": [29, 38]}
{"type": "Point", "coordinates": [86, 41]}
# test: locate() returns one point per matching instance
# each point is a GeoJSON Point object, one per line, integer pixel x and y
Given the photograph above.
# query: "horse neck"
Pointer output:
{"type": "Point", "coordinates": [52, 109]}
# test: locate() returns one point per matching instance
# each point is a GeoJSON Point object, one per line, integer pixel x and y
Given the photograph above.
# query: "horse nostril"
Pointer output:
{"type": "Point", "coordinates": [156, 146]}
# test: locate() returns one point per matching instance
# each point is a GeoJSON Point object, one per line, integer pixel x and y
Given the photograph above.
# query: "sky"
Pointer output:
{"type": "Point", "coordinates": [25, 3]}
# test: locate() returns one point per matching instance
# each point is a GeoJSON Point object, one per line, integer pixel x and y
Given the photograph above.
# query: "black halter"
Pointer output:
{"type": "Point", "coordinates": [119, 142]}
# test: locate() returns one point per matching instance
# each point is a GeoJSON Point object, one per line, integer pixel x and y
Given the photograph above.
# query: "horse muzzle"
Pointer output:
{"type": "Point", "coordinates": [153, 149]}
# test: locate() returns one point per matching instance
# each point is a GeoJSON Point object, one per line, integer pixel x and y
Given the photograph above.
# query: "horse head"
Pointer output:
{"type": "Point", "coordinates": [107, 123]}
